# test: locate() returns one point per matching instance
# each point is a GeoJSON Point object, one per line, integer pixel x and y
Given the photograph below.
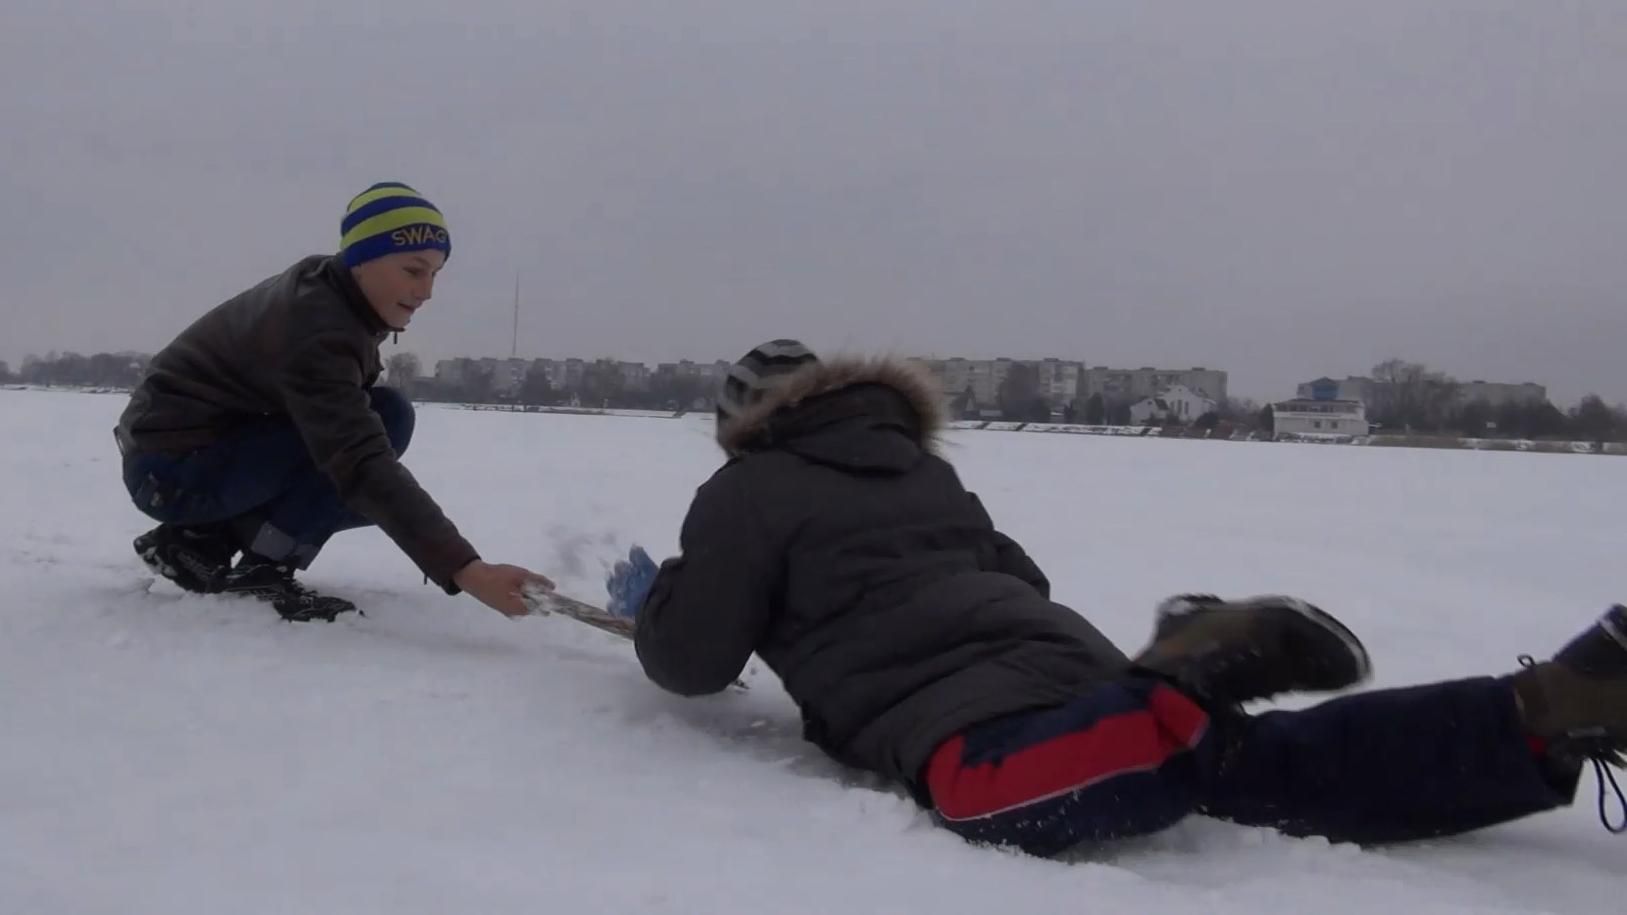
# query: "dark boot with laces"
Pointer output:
{"type": "Point", "coordinates": [1228, 653]}
{"type": "Point", "coordinates": [194, 557]}
{"type": "Point", "coordinates": [1576, 703]}
{"type": "Point", "coordinates": [273, 582]}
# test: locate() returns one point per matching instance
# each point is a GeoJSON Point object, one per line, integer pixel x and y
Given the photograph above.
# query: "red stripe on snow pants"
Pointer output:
{"type": "Point", "coordinates": [1115, 762]}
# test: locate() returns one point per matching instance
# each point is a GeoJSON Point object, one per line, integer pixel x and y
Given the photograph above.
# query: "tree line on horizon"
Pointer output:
{"type": "Point", "coordinates": [1407, 397]}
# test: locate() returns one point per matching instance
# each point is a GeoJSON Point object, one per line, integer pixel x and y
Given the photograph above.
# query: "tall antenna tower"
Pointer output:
{"type": "Point", "coordinates": [514, 340]}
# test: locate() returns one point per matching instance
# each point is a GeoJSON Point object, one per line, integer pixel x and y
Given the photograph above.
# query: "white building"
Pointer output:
{"type": "Point", "coordinates": [1304, 416]}
{"type": "Point", "coordinates": [1177, 402]}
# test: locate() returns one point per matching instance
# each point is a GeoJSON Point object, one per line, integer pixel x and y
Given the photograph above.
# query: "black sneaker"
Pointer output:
{"type": "Point", "coordinates": [270, 581]}
{"type": "Point", "coordinates": [1577, 703]}
{"type": "Point", "coordinates": [1232, 652]}
{"type": "Point", "coordinates": [195, 558]}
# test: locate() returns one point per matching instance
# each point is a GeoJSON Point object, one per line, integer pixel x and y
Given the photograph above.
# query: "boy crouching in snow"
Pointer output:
{"type": "Point", "coordinates": [261, 429]}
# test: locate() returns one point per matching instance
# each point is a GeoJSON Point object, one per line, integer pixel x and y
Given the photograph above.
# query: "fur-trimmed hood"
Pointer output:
{"type": "Point", "coordinates": [755, 426]}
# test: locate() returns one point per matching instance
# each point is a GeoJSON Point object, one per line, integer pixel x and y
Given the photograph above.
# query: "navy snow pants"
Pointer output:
{"type": "Point", "coordinates": [1135, 756]}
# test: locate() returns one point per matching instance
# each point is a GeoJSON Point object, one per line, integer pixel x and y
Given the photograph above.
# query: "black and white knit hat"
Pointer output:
{"type": "Point", "coordinates": [766, 366]}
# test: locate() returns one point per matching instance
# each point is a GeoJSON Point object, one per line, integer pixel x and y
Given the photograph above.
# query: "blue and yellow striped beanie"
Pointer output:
{"type": "Point", "coordinates": [389, 218]}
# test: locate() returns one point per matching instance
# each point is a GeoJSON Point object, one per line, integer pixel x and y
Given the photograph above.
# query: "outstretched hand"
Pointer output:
{"type": "Point", "coordinates": [500, 586]}
{"type": "Point", "coordinates": [629, 582]}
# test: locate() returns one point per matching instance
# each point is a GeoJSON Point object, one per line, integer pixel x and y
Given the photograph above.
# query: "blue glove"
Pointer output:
{"type": "Point", "coordinates": [629, 583]}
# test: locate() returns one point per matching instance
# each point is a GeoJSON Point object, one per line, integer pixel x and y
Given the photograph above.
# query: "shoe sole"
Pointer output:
{"type": "Point", "coordinates": [182, 578]}
{"type": "Point", "coordinates": [1176, 608]}
{"type": "Point", "coordinates": [1614, 624]}
{"type": "Point", "coordinates": [1598, 650]}
{"type": "Point", "coordinates": [326, 607]}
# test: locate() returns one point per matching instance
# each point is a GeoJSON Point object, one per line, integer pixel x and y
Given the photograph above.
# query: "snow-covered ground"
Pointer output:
{"type": "Point", "coordinates": [177, 754]}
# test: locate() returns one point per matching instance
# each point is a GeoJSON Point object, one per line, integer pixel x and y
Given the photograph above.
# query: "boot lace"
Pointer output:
{"type": "Point", "coordinates": [1597, 747]}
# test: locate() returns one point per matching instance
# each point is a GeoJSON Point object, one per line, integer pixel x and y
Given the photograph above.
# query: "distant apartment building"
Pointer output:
{"type": "Point", "coordinates": [1134, 385]}
{"type": "Point", "coordinates": [453, 373]}
{"type": "Point", "coordinates": [1056, 380]}
{"type": "Point", "coordinates": [712, 373]}
{"type": "Point", "coordinates": [551, 369]}
{"type": "Point", "coordinates": [978, 379]}
{"type": "Point", "coordinates": [635, 375]}
{"type": "Point", "coordinates": [1367, 391]}
{"type": "Point", "coordinates": [1497, 394]}
{"type": "Point", "coordinates": [955, 376]}
{"type": "Point", "coordinates": [508, 375]}
{"type": "Point", "coordinates": [571, 371]}
{"type": "Point", "coordinates": [1060, 381]}
{"type": "Point", "coordinates": [966, 384]}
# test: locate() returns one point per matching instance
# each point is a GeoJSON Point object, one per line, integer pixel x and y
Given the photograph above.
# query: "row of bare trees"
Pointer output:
{"type": "Point", "coordinates": [1020, 399]}
{"type": "Point", "coordinates": [1407, 397]}
{"type": "Point", "coordinates": [101, 370]}
{"type": "Point", "coordinates": [1411, 397]}
{"type": "Point", "coordinates": [602, 384]}
{"type": "Point", "coordinates": [1403, 397]}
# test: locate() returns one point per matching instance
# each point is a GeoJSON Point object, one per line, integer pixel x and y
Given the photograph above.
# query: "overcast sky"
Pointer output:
{"type": "Point", "coordinates": [1280, 189]}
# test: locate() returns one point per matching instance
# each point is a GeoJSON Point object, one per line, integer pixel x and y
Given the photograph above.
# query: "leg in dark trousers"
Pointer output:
{"type": "Point", "coordinates": [1384, 766]}
{"type": "Point", "coordinates": [261, 480]}
{"type": "Point", "coordinates": [1134, 757]}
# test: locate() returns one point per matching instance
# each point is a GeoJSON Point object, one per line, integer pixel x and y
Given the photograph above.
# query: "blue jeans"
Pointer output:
{"type": "Point", "coordinates": [260, 481]}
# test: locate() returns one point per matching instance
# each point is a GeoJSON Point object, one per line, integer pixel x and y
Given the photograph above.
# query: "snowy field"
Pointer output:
{"type": "Point", "coordinates": [177, 754]}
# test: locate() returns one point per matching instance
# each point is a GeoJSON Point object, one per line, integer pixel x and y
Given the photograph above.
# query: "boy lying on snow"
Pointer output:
{"type": "Point", "coordinates": [920, 643]}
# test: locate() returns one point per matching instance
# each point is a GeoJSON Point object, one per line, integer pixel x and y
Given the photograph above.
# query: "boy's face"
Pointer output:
{"type": "Point", "coordinates": [397, 285]}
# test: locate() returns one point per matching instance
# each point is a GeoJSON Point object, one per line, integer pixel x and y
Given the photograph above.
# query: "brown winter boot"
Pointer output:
{"type": "Point", "coordinates": [1232, 652]}
{"type": "Point", "coordinates": [1577, 704]}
